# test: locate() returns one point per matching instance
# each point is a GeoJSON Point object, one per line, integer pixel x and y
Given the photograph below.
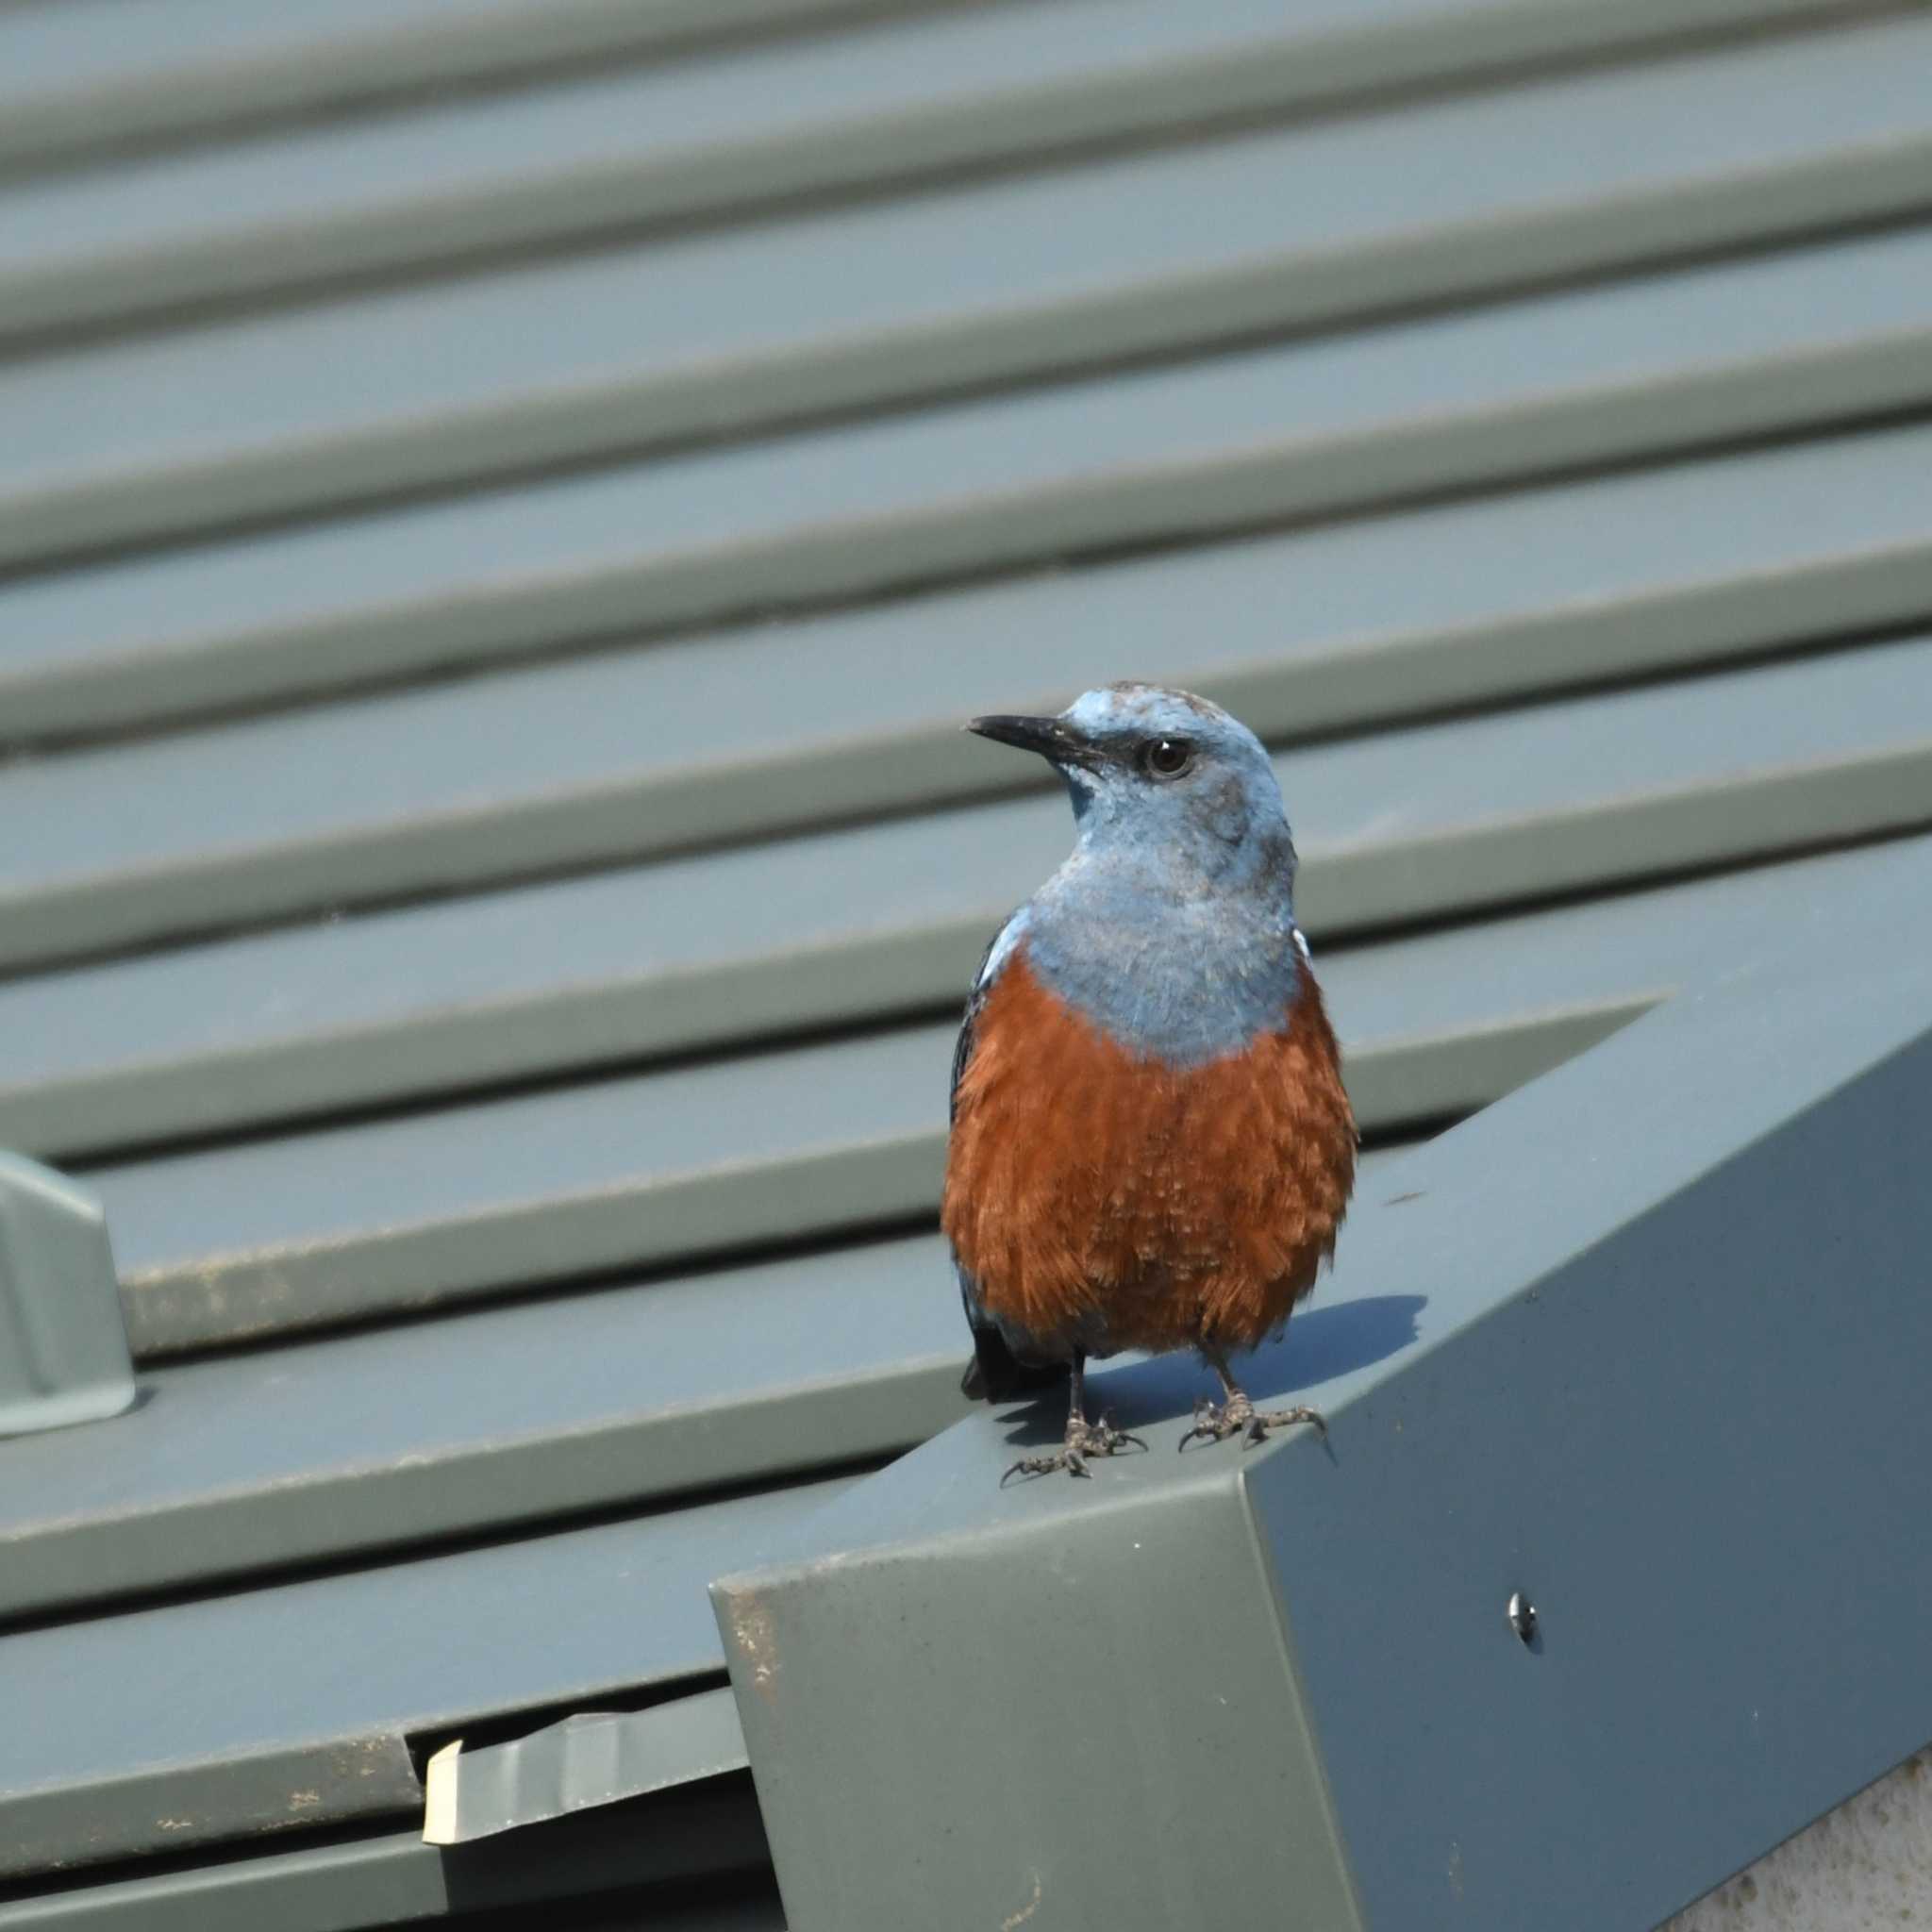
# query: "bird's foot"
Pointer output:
{"type": "Point", "coordinates": [1082, 1439]}
{"type": "Point", "coordinates": [1214, 1422]}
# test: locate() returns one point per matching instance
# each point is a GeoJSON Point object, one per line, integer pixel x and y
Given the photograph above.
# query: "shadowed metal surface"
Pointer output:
{"type": "Point", "coordinates": [390, 1876]}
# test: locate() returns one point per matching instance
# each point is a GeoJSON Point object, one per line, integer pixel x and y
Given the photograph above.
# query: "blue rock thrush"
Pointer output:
{"type": "Point", "coordinates": [1151, 1146]}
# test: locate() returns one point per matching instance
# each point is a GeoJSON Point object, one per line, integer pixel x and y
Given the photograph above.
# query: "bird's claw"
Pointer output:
{"type": "Point", "coordinates": [1214, 1422]}
{"type": "Point", "coordinates": [1084, 1438]}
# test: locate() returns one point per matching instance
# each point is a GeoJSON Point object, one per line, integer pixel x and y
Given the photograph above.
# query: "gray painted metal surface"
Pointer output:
{"type": "Point", "coordinates": [1315, 1631]}
{"type": "Point", "coordinates": [1708, 356]}
{"type": "Point", "coordinates": [590, 1758]}
{"type": "Point", "coordinates": [634, 752]}
{"type": "Point", "coordinates": [296, 1705]}
{"type": "Point", "coordinates": [96, 76]}
{"type": "Point", "coordinates": [488, 822]}
{"type": "Point", "coordinates": [371, 1440]}
{"type": "Point", "coordinates": [63, 1343]}
{"type": "Point", "coordinates": [942, 90]}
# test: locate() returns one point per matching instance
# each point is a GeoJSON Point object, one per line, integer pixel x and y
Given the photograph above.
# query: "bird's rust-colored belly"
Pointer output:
{"type": "Point", "coordinates": [1177, 1207]}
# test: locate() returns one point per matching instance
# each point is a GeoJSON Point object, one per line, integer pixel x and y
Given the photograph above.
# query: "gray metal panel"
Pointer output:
{"type": "Point", "coordinates": [277, 1457]}
{"type": "Point", "coordinates": [946, 90]}
{"type": "Point", "coordinates": [1705, 1414]}
{"type": "Point", "coordinates": [641, 750]}
{"type": "Point", "coordinates": [394, 1876]}
{"type": "Point", "coordinates": [1122, 1625]}
{"type": "Point", "coordinates": [280, 1708]}
{"type": "Point", "coordinates": [1207, 243]}
{"type": "Point", "coordinates": [82, 76]}
{"type": "Point", "coordinates": [411, 1212]}
{"type": "Point", "coordinates": [1795, 340]}
{"type": "Point", "coordinates": [1524, 1400]}
{"type": "Point", "coordinates": [846, 924]}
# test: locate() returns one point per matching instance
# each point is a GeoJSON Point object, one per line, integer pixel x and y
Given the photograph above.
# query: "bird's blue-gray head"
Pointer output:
{"type": "Point", "coordinates": [1171, 926]}
{"type": "Point", "coordinates": [1164, 780]}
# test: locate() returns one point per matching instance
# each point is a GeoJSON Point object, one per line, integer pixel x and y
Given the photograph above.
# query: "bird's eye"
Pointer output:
{"type": "Point", "coordinates": [1167, 757]}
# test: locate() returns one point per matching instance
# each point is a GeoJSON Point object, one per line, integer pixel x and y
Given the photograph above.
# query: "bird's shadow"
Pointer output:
{"type": "Point", "coordinates": [1319, 1345]}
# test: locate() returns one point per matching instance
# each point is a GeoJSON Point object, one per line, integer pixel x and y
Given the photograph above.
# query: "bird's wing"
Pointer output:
{"type": "Point", "coordinates": [995, 1374]}
{"type": "Point", "coordinates": [998, 950]}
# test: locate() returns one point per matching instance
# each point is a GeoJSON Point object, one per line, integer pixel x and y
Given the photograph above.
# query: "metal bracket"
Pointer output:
{"type": "Point", "coordinates": [63, 1342]}
{"type": "Point", "coordinates": [588, 1759]}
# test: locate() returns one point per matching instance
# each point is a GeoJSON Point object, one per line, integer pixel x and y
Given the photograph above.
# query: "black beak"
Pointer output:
{"type": "Point", "coordinates": [1051, 737]}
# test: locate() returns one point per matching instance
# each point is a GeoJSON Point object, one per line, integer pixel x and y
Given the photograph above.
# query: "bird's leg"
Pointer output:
{"type": "Point", "coordinates": [1082, 1439]}
{"type": "Point", "coordinates": [1235, 1415]}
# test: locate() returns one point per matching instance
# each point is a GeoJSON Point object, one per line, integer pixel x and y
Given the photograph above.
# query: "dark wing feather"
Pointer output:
{"type": "Point", "coordinates": [995, 1374]}
{"type": "Point", "coordinates": [963, 1047]}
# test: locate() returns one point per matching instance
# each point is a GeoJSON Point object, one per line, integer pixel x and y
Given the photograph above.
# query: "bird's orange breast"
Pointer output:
{"type": "Point", "coordinates": [1175, 1205]}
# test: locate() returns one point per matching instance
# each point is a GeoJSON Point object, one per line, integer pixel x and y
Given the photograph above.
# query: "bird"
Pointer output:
{"type": "Point", "coordinates": [1150, 1143]}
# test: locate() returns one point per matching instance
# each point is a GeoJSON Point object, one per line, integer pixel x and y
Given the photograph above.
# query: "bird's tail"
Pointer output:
{"type": "Point", "coordinates": [995, 1374]}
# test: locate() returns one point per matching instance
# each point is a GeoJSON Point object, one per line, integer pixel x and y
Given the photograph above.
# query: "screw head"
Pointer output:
{"type": "Point", "coordinates": [1521, 1615]}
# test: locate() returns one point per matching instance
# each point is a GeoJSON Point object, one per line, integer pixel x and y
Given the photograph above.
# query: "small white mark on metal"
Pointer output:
{"type": "Point", "coordinates": [751, 1623]}
{"type": "Point", "coordinates": [1455, 1868]}
{"type": "Point", "coordinates": [1026, 1912]}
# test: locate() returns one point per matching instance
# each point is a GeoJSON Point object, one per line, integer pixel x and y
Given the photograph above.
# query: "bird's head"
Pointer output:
{"type": "Point", "coordinates": [1165, 780]}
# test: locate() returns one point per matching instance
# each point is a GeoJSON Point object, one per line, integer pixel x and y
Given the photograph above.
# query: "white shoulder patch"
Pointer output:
{"type": "Point", "coordinates": [1301, 945]}
{"type": "Point", "coordinates": [1011, 935]}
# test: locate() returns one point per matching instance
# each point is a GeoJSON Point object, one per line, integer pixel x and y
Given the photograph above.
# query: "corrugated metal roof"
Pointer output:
{"type": "Point", "coordinates": [777, 727]}
{"type": "Point", "coordinates": [503, 509]}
